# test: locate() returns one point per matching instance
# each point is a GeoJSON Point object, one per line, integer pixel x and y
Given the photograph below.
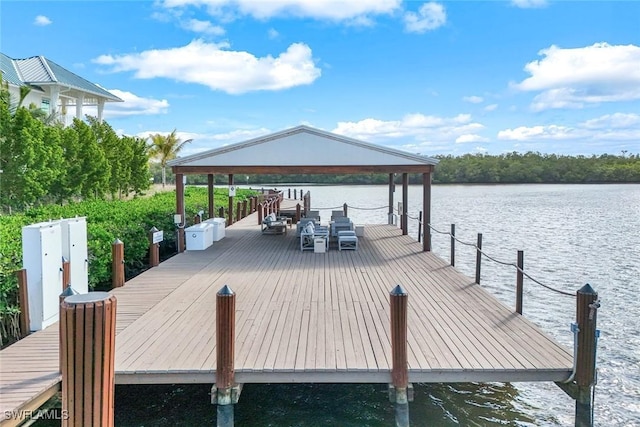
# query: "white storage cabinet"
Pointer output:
{"type": "Point", "coordinates": [218, 227]}
{"type": "Point", "coordinates": [199, 236]}
{"type": "Point", "coordinates": [74, 249]}
{"type": "Point", "coordinates": [42, 258]}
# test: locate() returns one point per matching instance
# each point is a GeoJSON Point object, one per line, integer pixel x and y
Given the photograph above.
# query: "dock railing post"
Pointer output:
{"type": "Point", "coordinates": [587, 305]}
{"type": "Point", "coordinates": [88, 332]}
{"type": "Point", "coordinates": [453, 245]}
{"type": "Point", "coordinates": [66, 272]}
{"type": "Point", "coordinates": [117, 264]}
{"type": "Point", "coordinates": [420, 226]}
{"type": "Point", "coordinates": [345, 209]}
{"type": "Point", "coordinates": [400, 391]}
{"type": "Point", "coordinates": [226, 391]}
{"type": "Point", "coordinates": [519, 282]}
{"type": "Point", "coordinates": [23, 298]}
{"type": "Point", "coordinates": [478, 257]}
{"type": "Point", "coordinates": [298, 213]}
{"type": "Point", "coordinates": [295, 194]}
{"type": "Point", "coordinates": [260, 213]}
{"type": "Point", "coordinates": [154, 249]}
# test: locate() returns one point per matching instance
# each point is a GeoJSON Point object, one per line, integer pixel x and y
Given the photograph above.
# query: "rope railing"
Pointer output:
{"type": "Point", "coordinates": [510, 264]}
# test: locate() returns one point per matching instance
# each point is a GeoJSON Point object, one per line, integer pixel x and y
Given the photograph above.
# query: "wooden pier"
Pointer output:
{"type": "Point", "coordinates": [300, 317]}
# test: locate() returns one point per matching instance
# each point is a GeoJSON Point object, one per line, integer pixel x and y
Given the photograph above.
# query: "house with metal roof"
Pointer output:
{"type": "Point", "coordinates": [54, 89]}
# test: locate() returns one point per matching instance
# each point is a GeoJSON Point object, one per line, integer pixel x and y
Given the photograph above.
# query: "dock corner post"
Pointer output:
{"type": "Point", "coordinates": [225, 392]}
{"type": "Point", "coordinates": [88, 327]}
{"type": "Point", "coordinates": [453, 245]}
{"type": "Point", "coordinates": [519, 282]}
{"type": "Point", "coordinates": [345, 209]}
{"type": "Point", "coordinates": [117, 263]}
{"type": "Point", "coordinates": [260, 213]}
{"type": "Point", "coordinates": [23, 295]}
{"type": "Point", "coordinates": [478, 257]}
{"type": "Point", "coordinates": [154, 249]}
{"type": "Point", "coordinates": [298, 213]}
{"type": "Point", "coordinates": [587, 305]}
{"type": "Point", "coordinates": [400, 391]}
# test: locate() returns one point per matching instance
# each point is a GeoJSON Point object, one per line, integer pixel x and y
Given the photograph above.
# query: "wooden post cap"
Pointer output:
{"type": "Point", "coordinates": [117, 242]}
{"type": "Point", "coordinates": [587, 290]}
{"type": "Point", "coordinates": [398, 290]}
{"type": "Point", "coordinates": [68, 291]}
{"type": "Point", "coordinates": [225, 291]}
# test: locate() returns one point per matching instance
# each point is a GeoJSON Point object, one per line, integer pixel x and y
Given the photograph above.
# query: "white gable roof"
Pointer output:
{"type": "Point", "coordinates": [303, 146]}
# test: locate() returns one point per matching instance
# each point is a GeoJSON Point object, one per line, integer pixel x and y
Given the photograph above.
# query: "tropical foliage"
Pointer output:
{"type": "Point", "coordinates": [44, 164]}
{"type": "Point", "coordinates": [165, 148]}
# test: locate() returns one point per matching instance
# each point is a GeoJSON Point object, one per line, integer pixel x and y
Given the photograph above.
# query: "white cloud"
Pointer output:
{"type": "Point", "coordinates": [610, 127]}
{"type": "Point", "coordinates": [334, 10]}
{"type": "Point", "coordinates": [219, 68]}
{"type": "Point", "coordinates": [203, 27]}
{"type": "Point", "coordinates": [529, 4]}
{"type": "Point", "coordinates": [42, 21]}
{"type": "Point", "coordinates": [420, 128]}
{"type": "Point", "coordinates": [491, 107]}
{"type": "Point", "coordinates": [616, 120]}
{"type": "Point", "coordinates": [572, 78]}
{"type": "Point", "coordinates": [469, 137]}
{"type": "Point", "coordinates": [429, 17]}
{"type": "Point", "coordinates": [524, 133]}
{"type": "Point", "coordinates": [272, 33]}
{"type": "Point", "coordinates": [133, 105]}
{"type": "Point", "coordinates": [473, 99]}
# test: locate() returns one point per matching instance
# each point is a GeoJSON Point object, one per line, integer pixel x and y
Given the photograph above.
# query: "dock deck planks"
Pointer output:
{"type": "Point", "coordinates": [302, 317]}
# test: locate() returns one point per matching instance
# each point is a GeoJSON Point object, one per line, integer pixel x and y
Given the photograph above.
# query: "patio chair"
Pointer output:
{"type": "Point", "coordinates": [272, 225]}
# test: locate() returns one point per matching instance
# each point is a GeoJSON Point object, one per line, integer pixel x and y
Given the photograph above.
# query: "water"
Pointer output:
{"type": "Point", "coordinates": [570, 234]}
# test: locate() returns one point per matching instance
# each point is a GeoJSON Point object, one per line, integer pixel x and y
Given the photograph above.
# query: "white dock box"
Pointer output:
{"type": "Point", "coordinates": [199, 236]}
{"type": "Point", "coordinates": [74, 249]}
{"type": "Point", "coordinates": [42, 258]}
{"type": "Point", "coordinates": [319, 245]}
{"type": "Point", "coordinates": [218, 227]}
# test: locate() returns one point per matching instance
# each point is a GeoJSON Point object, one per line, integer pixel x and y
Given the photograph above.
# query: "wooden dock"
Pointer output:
{"type": "Point", "coordinates": [300, 317]}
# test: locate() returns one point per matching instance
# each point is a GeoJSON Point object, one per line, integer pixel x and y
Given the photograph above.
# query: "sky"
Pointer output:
{"type": "Point", "coordinates": [430, 78]}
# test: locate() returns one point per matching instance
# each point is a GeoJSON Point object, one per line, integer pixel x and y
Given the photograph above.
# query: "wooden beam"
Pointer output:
{"type": "Point", "coordinates": [287, 170]}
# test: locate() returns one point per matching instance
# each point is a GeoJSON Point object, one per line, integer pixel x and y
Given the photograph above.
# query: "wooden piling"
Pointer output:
{"type": "Point", "coordinates": [345, 209]}
{"type": "Point", "coordinates": [298, 213]}
{"type": "Point", "coordinates": [210, 194]}
{"type": "Point", "coordinates": [419, 226]}
{"type": "Point", "coordinates": [23, 299]}
{"type": "Point", "coordinates": [117, 264]}
{"type": "Point", "coordinates": [400, 371]}
{"type": "Point", "coordinates": [478, 257]}
{"type": "Point", "coordinates": [220, 212]}
{"type": "Point", "coordinates": [452, 256]}
{"type": "Point", "coordinates": [289, 194]}
{"type": "Point", "coordinates": [87, 328]}
{"type": "Point", "coordinates": [260, 213]}
{"type": "Point", "coordinates": [154, 249]}
{"type": "Point", "coordinates": [225, 352]}
{"type": "Point", "coordinates": [238, 211]}
{"type": "Point", "coordinates": [244, 208]}
{"type": "Point", "coordinates": [587, 305]}
{"type": "Point", "coordinates": [66, 273]}
{"type": "Point", "coordinates": [295, 194]}
{"type": "Point", "coordinates": [197, 219]}
{"type": "Point", "coordinates": [519, 282]}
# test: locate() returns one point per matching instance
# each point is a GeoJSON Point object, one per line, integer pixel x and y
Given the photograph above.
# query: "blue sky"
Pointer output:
{"type": "Point", "coordinates": [449, 77]}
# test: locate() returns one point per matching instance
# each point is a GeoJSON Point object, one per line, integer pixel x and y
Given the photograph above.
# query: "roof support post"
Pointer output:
{"type": "Point", "coordinates": [79, 102]}
{"type": "Point", "coordinates": [230, 200]}
{"type": "Point", "coordinates": [210, 191]}
{"type": "Point", "coordinates": [426, 209]}
{"type": "Point", "coordinates": [180, 210]}
{"type": "Point", "coordinates": [391, 189]}
{"type": "Point", "coordinates": [100, 109]}
{"type": "Point", "coordinates": [405, 202]}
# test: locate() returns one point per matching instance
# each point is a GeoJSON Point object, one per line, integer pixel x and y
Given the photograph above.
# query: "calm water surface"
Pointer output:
{"type": "Point", "coordinates": [570, 234]}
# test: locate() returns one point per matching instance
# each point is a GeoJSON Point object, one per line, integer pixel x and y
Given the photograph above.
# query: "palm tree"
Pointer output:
{"type": "Point", "coordinates": [165, 148]}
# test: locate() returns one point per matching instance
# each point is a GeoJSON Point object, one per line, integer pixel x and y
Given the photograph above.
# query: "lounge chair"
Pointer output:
{"type": "Point", "coordinates": [341, 224]}
{"type": "Point", "coordinates": [308, 235]}
{"type": "Point", "coordinates": [272, 225]}
{"type": "Point", "coordinates": [347, 240]}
